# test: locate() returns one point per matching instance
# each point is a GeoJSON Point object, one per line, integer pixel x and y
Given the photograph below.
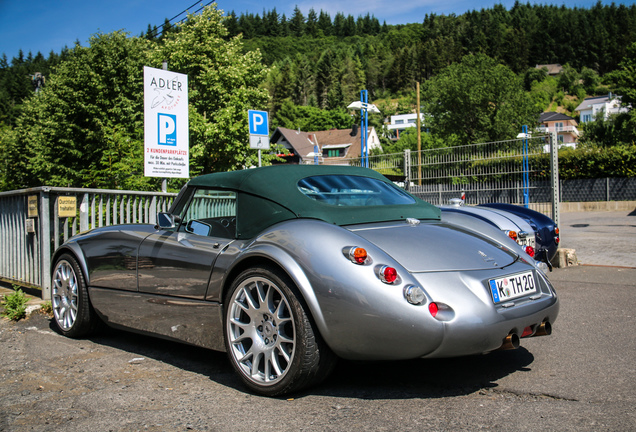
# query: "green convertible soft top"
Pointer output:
{"type": "Point", "coordinates": [271, 194]}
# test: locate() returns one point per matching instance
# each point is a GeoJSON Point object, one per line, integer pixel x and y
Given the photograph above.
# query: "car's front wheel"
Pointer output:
{"type": "Point", "coordinates": [270, 339]}
{"type": "Point", "coordinates": [72, 310]}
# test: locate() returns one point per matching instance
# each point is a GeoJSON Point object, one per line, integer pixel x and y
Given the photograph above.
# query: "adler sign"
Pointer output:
{"type": "Point", "coordinates": [166, 144]}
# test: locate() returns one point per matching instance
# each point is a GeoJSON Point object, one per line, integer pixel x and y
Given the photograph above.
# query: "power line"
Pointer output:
{"type": "Point", "coordinates": [168, 24]}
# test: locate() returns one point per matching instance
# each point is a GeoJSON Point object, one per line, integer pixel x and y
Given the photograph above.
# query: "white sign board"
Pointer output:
{"type": "Point", "coordinates": [259, 142]}
{"type": "Point", "coordinates": [259, 129]}
{"type": "Point", "coordinates": [166, 141]}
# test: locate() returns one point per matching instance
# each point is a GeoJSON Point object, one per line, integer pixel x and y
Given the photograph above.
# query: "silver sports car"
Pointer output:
{"type": "Point", "coordinates": [288, 268]}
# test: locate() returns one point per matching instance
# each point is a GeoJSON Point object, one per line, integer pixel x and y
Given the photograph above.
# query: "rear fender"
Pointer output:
{"type": "Point", "coordinates": [282, 259]}
{"type": "Point", "coordinates": [75, 250]}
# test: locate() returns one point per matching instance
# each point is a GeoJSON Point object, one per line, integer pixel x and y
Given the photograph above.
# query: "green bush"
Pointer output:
{"type": "Point", "coordinates": [598, 162]}
{"type": "Point", "coordinates": [15, 305]}
{"type": "Point", "coordinates": [585, 162]}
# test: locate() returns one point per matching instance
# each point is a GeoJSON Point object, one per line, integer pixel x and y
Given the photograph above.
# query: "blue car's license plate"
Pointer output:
{"type": "Point", "coordinates": [512, 287]}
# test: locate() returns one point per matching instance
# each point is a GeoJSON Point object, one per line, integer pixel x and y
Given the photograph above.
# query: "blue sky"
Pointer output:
{"type": "Point", "coordinates": [49, 25]}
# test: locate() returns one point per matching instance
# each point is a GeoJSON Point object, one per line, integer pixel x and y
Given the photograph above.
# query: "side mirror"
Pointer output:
{"type": "Point", "coordinates": [166, 220]}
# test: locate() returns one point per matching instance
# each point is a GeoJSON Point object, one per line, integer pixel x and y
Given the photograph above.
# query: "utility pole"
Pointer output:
{"type": "Point", "coordinates": [419, 135]}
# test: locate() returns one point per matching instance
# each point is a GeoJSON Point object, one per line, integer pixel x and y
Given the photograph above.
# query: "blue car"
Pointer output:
{"type": "Point", "coordinates": [546, 230]}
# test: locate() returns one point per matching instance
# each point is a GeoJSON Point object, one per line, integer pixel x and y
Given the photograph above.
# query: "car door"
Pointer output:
{"type": "Point", "coordinates": [178, 262]}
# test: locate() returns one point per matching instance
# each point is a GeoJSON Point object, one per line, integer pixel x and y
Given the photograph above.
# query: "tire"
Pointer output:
{"type": "Point", "coordinates": [73, 313]}
{"type": "Point", "coordinates": [269, 337]}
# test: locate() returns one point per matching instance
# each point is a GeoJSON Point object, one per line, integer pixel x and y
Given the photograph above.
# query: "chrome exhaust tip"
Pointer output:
{"type": "Point", "coordinates": [544, 329]}
{"type": "Point", "coordinates": [510, 342]}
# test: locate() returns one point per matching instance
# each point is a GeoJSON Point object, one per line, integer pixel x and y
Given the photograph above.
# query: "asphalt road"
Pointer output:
{"type": "Point", "coordinates": [582, 378]}
{"type": "Point", "coordinates": [601, 238]}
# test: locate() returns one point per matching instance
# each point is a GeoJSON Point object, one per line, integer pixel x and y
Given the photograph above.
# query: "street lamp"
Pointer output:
{"type": "Point", "coordinates": [365, 108]}
{"type": "Point", "coordinates": [525, 135]}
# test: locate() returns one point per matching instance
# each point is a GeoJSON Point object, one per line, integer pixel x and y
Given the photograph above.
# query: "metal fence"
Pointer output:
{"type": "Point", "coordinates": [36, 221]}
{"type": "Point", "coordinates": [516, 172]}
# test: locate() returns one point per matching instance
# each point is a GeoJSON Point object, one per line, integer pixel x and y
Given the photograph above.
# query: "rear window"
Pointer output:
{"type": "Point", "coordinates": [346, 190]}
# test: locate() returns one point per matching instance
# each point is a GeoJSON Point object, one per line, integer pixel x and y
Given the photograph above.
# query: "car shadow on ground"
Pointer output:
{"type": "Point", "coordinates": [419, 378]}
{"type": "Point", "coordinates": [424, 378]}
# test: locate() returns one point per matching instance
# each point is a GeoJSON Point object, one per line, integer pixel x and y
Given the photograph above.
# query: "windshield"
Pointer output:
{"type": "Point", "coordinates": [347, 190]}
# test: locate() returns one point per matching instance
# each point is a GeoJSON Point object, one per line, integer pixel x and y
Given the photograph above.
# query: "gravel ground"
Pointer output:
{"type": "Point", "coordinates": [582, 378]}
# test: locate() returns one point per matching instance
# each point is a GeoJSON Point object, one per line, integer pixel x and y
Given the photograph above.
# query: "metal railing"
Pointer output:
{"type": "Point", "coordinates": [559, 129]}
{"type": "Point", "coordinates": [36, 221]}
{"type": "Point", "coordinates": [490, 172]}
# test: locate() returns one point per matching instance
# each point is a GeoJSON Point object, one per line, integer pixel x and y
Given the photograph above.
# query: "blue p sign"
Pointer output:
{"type": "Point", "coordinates": [167, 133]}
{"type": "Point", "coordinates": [258, 121]}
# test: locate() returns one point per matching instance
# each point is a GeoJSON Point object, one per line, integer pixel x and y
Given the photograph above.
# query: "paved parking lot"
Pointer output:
{"type": "Point", "coordinates": [601, 238]}
{"type": "Point", "coordinates": [581, 378]}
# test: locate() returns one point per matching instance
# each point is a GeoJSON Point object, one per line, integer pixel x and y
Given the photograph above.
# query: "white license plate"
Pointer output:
{"type": "Point", "coordinates": [512, 287]}
{"type": "Point", "coordinates": [526, 242]}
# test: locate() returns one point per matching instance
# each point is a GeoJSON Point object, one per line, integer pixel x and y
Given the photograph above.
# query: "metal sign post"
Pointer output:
{"type": "Point", "coordinates": [526, 169]}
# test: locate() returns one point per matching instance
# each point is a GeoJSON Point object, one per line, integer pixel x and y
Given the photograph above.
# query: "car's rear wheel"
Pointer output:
{"type": "Point", "coordinates": [72, 310]}
{"type": "Point", "coordinates": [270, 339]}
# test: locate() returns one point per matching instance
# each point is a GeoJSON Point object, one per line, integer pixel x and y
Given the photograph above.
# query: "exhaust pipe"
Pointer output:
{"type": "Point", "coordinates": [510, 342]}
{"type": "Point", "coordinates": [544, 329]}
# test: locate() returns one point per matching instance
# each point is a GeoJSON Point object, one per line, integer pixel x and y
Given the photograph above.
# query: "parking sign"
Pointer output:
{"type": "Point", "coordinates": [166, 142]}
{"type": "Point", "coordinates": [259, 122]}
{"type": "Point", "coordinates": [259, 129]}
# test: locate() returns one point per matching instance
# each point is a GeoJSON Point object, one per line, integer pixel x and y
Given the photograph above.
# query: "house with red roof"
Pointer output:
{"type": "Point", "coordinates": [332, 147]}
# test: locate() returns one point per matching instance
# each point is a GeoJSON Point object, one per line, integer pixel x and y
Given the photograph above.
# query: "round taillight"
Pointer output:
{"type": "Point", "coordinates": [556, 230]}
{"type": "Point", "coordinates": [414, 294]}
{"type": "Point", "coordinates": [530, 251]}
{"type": "Point", "coordinates": [433, 309]}
{"type": "Point", "coordinates": [388, 274]}
{"type": "Point", "coordinates": [512, 234]}
{"type": "Point", "coordinates": [358, 255]}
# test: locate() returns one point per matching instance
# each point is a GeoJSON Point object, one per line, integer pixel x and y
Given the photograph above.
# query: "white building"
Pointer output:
{"type": "Point", "coordinates": [401, 122]}
{"type": "Point", "coordinates": [592, 108]}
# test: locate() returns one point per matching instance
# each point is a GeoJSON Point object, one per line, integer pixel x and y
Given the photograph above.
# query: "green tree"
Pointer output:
{"type": "Point", "coordinates": [569, 79]}
{"type": "Point", "coordinates": [408, 140]}
{"type": "Point", "coordinates": [307, 118]}
{"type": "Point", "coordinates": [590, 80]}
{"type": "Point", "coordinates": [620, 128]}
{"type": "Point", "coordinates": [297, 23]}
{"type": "Point", "coordinates": [477, 100]}
{"type": "Point", "coordinates": [311, 26]}
{"type": "Point", "coordinates": [223, 84]}
{"type": "Point", "coordinates": [625, 77]}
{"type": "Point", "coordinates": [324, 23]}
{"type": "Point", "coordinates": [534, 76]}
{"type": "Point", "coordinates": [85, 129]}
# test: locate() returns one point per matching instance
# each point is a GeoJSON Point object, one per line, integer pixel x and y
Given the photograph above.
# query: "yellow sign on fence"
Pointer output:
{"type": "Point", "coordinates": [32, 206]}
{"type": "Point", "coordinates": [67, 206]}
